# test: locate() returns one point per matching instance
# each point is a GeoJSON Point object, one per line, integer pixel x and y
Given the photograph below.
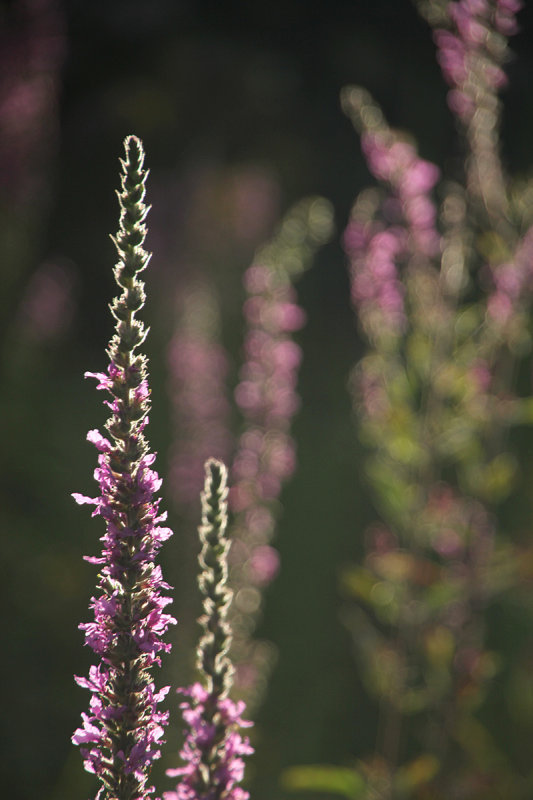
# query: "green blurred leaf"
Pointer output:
{"type": "Point", "coordinates": [518, 410]}
{"type": "Point", "coordinates": [324, 778]}
{"type": "Point", "coordinates": [493, 247]}
{"type": "Point", "coordinates": [495, 479]}
{"type": "Point", "coordinates": [468, 320]}
{"type": "Point", "coordinates": [417, 773]}
{"type": "Point", "coordinates": [357, 582]}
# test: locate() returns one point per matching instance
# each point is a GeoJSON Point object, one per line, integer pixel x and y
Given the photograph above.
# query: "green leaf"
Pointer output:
{"type": "Point", "coordinates": [324, 778]}
{"type": "Point", "coordinates": [417, 773]}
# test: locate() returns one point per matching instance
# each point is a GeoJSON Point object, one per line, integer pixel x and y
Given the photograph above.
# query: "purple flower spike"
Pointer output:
{"type": "Point", "coordinates": [213, 747]}
{"type": "Point", "coordinates": [470, 57]}
{"type": "Point", "coordinates": [267, 397]}
{"type": "Point", "coordinates": [392, 232]}
{"type": "Point", "coordinates": [121, 735]}
{"type": "Point", "coordinates": [471, 38]}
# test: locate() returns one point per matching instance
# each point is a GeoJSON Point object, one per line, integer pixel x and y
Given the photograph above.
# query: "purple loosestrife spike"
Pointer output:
{"type": "Point", "coordinates": [213, 747]}
{"type": "Point", "coordinates": [471, 38]}
{"type": "Point", "coordinates": [392, 234]}
{"type": "Point", "coordinates": [408, 288]}
{"type": "Point", "coordinates": [120, 736]}
{"type": "Point", "coordinates": [395, 162]}
{"type": "Point", "coordinates": [265, 457]}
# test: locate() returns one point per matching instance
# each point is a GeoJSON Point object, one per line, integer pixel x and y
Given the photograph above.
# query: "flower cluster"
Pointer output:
{"type": "Point", "coordinates": [266, 395]}
{"type": "Point", "coordinates": [387, 232]}
{"type": "Point", "coordinates": [267, 398]}
{"type": "Point", "coordinates": [427, 592]}
{"type": "Point", "coordinates": [376, 288]}
{"type": "Point", "coordinates": [471, 39]}
{"type": "Point", "coordinates": [213, 747]}
{"type": "Point", "coordinates": [223, 777]}
{"type": "Point", "coordinates": [120, 737]}
{"type": "Point", "coordinates": [470, 57]}
{"type": "Point", "coordinates": [397, 163]}
{"type": "Point", "coordinates": [511, 293]}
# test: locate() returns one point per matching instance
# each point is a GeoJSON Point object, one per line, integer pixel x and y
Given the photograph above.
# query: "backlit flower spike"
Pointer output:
{"type": "Point", "coordinates": [214, 747]}
{"type": "Point", "coordinates": [122, 734]}
{"type": "Point", "coordinates": [212, 657]}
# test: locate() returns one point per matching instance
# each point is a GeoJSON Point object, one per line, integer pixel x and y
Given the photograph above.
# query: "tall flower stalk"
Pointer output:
{"type": "Point", "coordinates": [213, 747]}
{"type": "Point", "coordinates": [430, 397]}
{"type": "Point", "coordinates": [471, 38]}
{"type": "Point", "coordinates": [265, 456]}
{"type": "Point", "coordinates": [120, 736]}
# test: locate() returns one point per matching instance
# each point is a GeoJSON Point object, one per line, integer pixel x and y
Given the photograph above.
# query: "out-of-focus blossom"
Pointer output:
{"type": "Point", "coordinates": [471, 56]}
{"type": "Point", "coordinates": [375, 285]}
{"type": "Point", "coordinates": [512, 282]}
{"type": "Point", "coordinates": [228, 209]}
{"type": "Point", "coordinates": [265, 456]}
{"type": "Point", "coordinates": [266, 395]}
{"type": "Point", "coordinates": [396, 163]}
{"type": "Point", "coordinates": [255, 204]}
{"type": "Point", "coordinates": [32, 50]}
{"type": "Point", "coordinates": [391, 232]}
{"type": "Point", "coordinates": [198, 369]}
{"type": "Point", "coordinates": [48, 306]}
{"type": "Point", "coordinates": [472, 49]}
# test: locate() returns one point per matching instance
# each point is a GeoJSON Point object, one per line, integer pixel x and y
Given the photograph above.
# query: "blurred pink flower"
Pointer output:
{"type": "Point", "coordinates": [31, 54]}
{"type": "Point", "coordinates": [198, 369]}
{"type": "Point", "coordinates": [48, 306]}
{"type": "Point", "coordinates": [263, 565]}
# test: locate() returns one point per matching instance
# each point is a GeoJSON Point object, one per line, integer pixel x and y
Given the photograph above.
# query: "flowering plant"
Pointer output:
{"type": "Point", "coordinates": [213, 746]}
{"type": "Point", "coordinates": [441, 291]}
{"type": "Point", "coordinates": [121, 736]}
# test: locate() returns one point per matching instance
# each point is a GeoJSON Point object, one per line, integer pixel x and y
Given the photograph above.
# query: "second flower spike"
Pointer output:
{"type": "Point", "coordinates": [213, 746]}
